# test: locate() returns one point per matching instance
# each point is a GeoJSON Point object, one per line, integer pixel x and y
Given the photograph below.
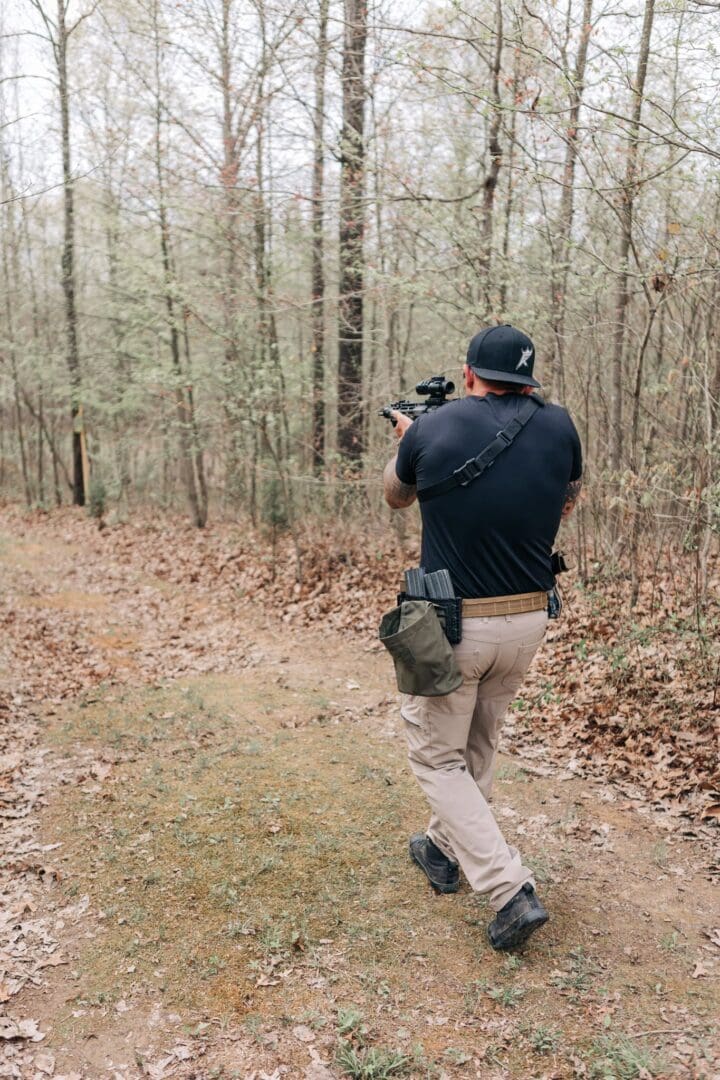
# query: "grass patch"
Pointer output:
{"type": "Point", "coordinates": [579, 976]}
{"type": "Point", "coordinates": [258, 873]}
{"type": "Point", "coordinates": [544, 1039]}
{"type": "Point", "coordinates": [254, 867]}
{"type": "Point", "coordinates": [507, 996]}
{"type": "Point", "coordinates": [363, 1063]}
{"type": "Point", "coordinates": [618, 1057]}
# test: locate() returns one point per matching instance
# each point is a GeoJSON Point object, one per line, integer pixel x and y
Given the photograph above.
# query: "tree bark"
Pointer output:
{"type": "Point", "coordinates": [182, 406]}
{"type": "Point", "coordinates": [351, 235]}
{"type": "Point", "coordinates": [231, 240]}
{"type": "Point", "coordinates": [35, 321]}
{"type": "Point", "coordinates": [493, 172]}
{"type": "Point", "coordinates": [626, 210]}
{"type": "Point", "coordinates": [40, 451]}
{"type": "Point", "coordinates": [561, 266]}
{"type": "Point", "coordinates": [68, 256]}
{"type": "Point", "coordinates": [121, 365]}
{"type": "Point", "coordinates": [10, 243]}
{"type": "Point", "coordinates": [197, 450]}
{"type": "Point", "coordinates": [38, 414]}
{"type": "Point", "coordinates": [505, 270]}
{"type": "Point", "coordinates": [317, 272]}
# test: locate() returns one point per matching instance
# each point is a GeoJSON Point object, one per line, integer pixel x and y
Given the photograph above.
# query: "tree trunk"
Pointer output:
{"type": "Point", "coordinates": [491, 176]}
{"type": "Point", "coordinates": [10, 243]}
{"type": "Point", "coordinates": [627, 205]}
{"type": "Point", "coordinates": [198, 456]}
{"type": "Point", "coordinates": [20, 432]}
{"type": "Point", "coordinates": [121, 366]}
{"type": "Point", "coordinates": [40, 450]}
{"type": "Point", "coordinates": [231, 240]}
{"type": "Point", "coordinates": [635, 553]}
{"type": "Point", "coordinates": [40, 418]}
{"type": "Point", "coordinates": [182, 409]}
{"type": "Point", "coordinates": [317, 273]}
{"type": "Point", "coordinates": [561, 267]}
{"type": "Point", "coordinates": [68, 257]}
{"type": "Point", "coordinates": [505, 270]}
{"type": "Point", "coordinates": [715, 377]}
{"type": "Point", "coordinates": [351, 234]}
{"type": "Point", "coordinates": [58, 464]}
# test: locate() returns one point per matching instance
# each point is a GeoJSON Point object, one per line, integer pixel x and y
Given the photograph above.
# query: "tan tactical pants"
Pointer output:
{"type": "Point", "coordinates": [452, 744]}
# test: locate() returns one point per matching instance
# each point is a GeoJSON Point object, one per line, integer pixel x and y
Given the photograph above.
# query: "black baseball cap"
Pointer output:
{"type": "Point", "coordinates": [503, 353]}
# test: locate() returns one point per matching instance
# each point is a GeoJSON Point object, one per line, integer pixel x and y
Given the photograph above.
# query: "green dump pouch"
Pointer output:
{"type": "Point", "coordinates": [424, 661]}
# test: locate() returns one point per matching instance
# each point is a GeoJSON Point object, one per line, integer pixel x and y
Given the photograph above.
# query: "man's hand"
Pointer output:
{"type": "Point", "coordinates": [402, 423]}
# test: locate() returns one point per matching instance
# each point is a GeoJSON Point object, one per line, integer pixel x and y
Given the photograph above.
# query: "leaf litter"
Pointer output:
{"type": "Point", "coordinates": [641, 714]}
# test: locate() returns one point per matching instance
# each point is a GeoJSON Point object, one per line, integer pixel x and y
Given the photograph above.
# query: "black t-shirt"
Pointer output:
{"type": "Point", "coordinates": [495, 536]}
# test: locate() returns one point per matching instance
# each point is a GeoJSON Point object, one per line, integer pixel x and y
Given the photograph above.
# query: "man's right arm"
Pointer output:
{"type": "Point", "coordinates": [397, 495]}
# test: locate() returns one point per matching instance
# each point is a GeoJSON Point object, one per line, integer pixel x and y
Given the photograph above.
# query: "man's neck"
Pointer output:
{"type": "Point", "coordinates": [483, 391]}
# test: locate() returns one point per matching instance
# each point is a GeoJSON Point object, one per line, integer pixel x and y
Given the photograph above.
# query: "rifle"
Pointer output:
{"type": "Point", "coordinates": [435, 390]}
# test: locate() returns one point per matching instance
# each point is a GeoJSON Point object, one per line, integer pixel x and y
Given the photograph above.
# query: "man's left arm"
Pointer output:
{"type": "Point", "coordinates": [572, 495]}
{"type": "Point", "coordinates": [398, 495]}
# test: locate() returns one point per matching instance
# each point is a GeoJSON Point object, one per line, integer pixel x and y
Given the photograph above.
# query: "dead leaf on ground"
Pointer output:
{"type": "Point", "coordinates": [714, 936]}
{"type": "Point", "coordinates": [263, 980]}
{"type": "Point", "coordinates": [20, 1029]}
{"type": "Point", "coordinates": [45, 1063]}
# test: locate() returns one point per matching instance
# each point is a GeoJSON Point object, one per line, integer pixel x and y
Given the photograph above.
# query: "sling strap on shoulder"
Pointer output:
{"type": "Point", "coordinates": [476, 466]}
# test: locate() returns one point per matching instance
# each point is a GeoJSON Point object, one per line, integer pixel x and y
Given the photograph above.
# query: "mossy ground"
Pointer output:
{"type": "Point", "coordinates": [257, 873]}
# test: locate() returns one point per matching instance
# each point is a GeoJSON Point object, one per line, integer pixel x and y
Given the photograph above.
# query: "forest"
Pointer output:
{"type": "Point", "coordinates": [232, 232]}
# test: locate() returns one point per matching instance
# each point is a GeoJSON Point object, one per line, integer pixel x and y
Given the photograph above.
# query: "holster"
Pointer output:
{"type": "Point", "coordinates": [558, 565]}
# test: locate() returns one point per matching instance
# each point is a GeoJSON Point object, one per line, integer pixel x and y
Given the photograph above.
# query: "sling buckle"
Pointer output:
{"type": "Point", "coordinates": [466, 473]}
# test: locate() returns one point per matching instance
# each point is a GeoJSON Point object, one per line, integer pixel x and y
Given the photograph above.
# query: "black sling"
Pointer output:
{"type": "Point", "coordinates": [476, 466]}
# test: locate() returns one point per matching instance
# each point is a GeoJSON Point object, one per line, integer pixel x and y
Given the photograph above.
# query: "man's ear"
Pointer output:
{"type": "Point", "coordinates": [469, 376]}
{"type": "Point", "coordinates": [529, 389]}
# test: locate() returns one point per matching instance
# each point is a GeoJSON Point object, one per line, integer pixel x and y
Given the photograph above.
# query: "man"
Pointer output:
{"type": "Point", "coordinates": [495, 537]}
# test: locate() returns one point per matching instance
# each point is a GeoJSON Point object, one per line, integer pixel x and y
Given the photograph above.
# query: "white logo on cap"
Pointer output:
{"type": "Point", "coordinates": [524, 357]}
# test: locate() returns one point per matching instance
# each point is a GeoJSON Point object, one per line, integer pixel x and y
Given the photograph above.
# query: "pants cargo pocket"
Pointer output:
{"type": "Point", "coordinates": [414, 709]}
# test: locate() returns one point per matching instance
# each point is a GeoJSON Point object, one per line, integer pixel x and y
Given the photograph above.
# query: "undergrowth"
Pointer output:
{"type": "Point", "coordinates": [618, 1057]}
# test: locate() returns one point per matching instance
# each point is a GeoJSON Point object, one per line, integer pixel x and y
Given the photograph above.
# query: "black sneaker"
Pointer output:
{"type": "Point", "coordinates": [517, 920]}
{"type": "Point", "coordinates": [442, 874]}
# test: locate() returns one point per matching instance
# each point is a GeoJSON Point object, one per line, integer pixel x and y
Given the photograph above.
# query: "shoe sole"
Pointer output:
{"type": "Point", "coordinates": [521, 934]}
{"type": "Point", "coordinates": [440, 887]}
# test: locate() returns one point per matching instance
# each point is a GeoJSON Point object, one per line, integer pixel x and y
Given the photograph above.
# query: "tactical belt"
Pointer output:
{"type": "Point", "coordinates": [504, 605]}
{"type": "Point", "coordinates": [514, 604]}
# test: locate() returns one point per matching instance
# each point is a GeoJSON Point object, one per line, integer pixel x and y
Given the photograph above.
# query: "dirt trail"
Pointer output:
{"type": "Point", "coordinates": [206, 874]}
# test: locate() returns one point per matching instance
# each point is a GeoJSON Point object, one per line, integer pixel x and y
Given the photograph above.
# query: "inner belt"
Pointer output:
{"type": "Point", "coordinates": [517, 604]}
